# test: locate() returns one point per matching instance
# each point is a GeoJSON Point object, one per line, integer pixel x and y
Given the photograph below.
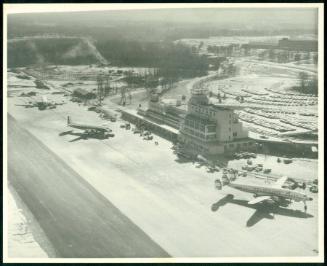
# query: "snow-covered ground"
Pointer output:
{"type": "Point", "coordinates": [169, 200]}
{"type": "Point", "coordinates": [26, 238]}
{"type": "Point", "coordinates": [174, 201]}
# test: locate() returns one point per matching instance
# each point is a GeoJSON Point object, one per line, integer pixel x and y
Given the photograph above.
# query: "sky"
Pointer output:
{"type": "Point", "coordinates": [233, 18]}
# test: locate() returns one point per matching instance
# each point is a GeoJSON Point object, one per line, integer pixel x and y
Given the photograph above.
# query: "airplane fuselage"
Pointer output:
{"type": "Point", "coordinates": [271, 191]}
{"type": "Point", "coordinates": [89, 127]}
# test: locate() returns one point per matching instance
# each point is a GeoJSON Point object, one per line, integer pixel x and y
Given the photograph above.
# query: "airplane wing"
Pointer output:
{"type": "Point", "coordinates": [259, 199]}
{"type": "Point", "coordinates": [280, 182]}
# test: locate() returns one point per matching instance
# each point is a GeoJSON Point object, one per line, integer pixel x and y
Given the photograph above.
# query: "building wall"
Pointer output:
{"type": "Point", "coordinates": [155, 128]}
{"type": "Point", "coordinates": [228, 127]}
{"type": "Point", "coordinates": [211, 129]}
{"type": "Point", "coordinates": [301, 45]}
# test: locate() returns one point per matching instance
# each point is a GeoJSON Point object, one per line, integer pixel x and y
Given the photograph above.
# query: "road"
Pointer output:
{"type": "Point", "coordinates": [77, 219]}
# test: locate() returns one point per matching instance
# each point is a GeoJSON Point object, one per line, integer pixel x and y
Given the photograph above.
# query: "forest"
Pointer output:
{"type": "Point", "coordinates": [171, 59]}
{"type": "Point", "coordinates": [72, 51]}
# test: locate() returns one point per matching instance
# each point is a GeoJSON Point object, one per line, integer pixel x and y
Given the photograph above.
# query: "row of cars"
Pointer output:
{"type": "Point", "coordinates": [313, 188]}
{"type": "Point", "coordinates": [244, 155]}
{"type": "Point", "coordinates": [265, 123]}
{"type": "Point", "coordinates": [257, 168]}
{"type": "Point", "coordinates": [147, 135]}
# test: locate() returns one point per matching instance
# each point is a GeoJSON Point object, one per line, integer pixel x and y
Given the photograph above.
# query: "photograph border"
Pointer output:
{"type": "Point", "coordinates": [35, 8]}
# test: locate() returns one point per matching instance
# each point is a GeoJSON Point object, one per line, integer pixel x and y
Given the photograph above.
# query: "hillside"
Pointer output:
{"type": "Point", "coordinates": [52, 50]}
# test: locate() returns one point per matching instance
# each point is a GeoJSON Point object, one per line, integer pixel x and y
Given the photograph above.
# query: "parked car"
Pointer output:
{"type": "Point", "coordinates": [136, 131]}
{"type": "Point", "coordinates": [302, 185]}
{"type": "Point", "coordinates": [314, 189]}
{"type": "Point", "coordinates": [225, 179]}
{"type": "Point", "coordinates": [288, 161]}
{"type": "Point", "coordinates": [267, 171]}
{"type": "Point", "coordinates": [146, 133]}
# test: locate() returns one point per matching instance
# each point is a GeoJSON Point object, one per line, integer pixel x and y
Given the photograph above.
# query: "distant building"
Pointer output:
{"type": "Point", "coordinates": [83, 94]}
{"type": "Point", "coordinates": [164, 112]}
{"type": "Point", "coordinates": [211, 129]}
{"type": "Point", "coordinates": [260, 45]}
{"type": "Point", "coordinates": [285, 44]}
{"type": "Point", "coordinates": [298, 45]}
{"type": "Point", "coordinates": [203, 128]}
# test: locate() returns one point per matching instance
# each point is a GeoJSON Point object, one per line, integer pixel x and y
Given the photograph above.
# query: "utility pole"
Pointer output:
{"type": "Point", "coordinates": [123, 95]}
{"type": "Point", "coordinates": [99, 88]}
{"type": "Point", "coordinates": [107, 86]}
{"type": "Point", "coordinates": [130, 96]}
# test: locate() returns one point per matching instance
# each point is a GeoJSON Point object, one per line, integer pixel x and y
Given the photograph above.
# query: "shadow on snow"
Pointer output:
{"type": "Point", "coordinates": [262, 210]}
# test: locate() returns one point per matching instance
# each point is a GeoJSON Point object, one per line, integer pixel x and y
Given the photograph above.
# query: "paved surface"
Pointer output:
{"type": "Point", "coordinates": [78, 220]}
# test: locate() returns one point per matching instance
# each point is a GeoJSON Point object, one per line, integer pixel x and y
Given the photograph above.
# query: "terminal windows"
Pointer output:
{"type": "Point", "coordinates": [234, 134]}
{"type": "Point", "coordinates": [211, 128]}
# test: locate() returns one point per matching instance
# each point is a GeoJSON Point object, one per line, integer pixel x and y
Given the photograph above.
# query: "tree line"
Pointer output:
{"type": "Point", "coordinates": [171, 60]}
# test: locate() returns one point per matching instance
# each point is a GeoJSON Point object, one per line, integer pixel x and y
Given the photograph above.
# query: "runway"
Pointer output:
{"type": "Point", "coordinates": [77, 219]}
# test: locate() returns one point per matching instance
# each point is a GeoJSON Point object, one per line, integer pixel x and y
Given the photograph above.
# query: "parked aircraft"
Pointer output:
{"type": "Point", "coordinates": [274, 193]}
{"type": "Point", "coordinates": [108, 114]}
{"type": "Point", "coordinates": [92, 131]}
{"type": "Point", "coordinates": [41, 104]}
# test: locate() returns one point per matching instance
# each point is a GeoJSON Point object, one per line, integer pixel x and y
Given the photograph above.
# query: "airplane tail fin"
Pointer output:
{"type": "Point", "coordinates": [68, 120]}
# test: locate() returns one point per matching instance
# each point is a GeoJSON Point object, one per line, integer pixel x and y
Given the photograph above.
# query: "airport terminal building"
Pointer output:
{"type": "Point", "coordinates": [211, 129]}
{"type": "Point", "coordinates": [202, 127]}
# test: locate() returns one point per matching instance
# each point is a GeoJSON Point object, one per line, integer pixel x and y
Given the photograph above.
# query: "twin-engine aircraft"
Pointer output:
{"type": "Point", "coordinates": [274, 193]}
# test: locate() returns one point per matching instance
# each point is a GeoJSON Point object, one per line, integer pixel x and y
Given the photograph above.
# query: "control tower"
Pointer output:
{"type": "Point", "coordinates": [210, 129]}
{"type": "Point", "coordinates": [199, 96]}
